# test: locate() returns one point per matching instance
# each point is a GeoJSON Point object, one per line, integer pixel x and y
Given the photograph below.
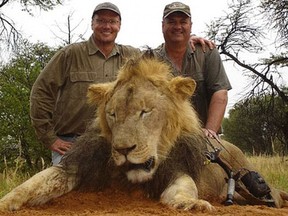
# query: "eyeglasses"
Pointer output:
{"type": "Point", "coordinates": [103, 22]}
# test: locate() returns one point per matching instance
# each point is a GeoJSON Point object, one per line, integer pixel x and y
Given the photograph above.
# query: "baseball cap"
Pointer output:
{"type": "Point", "coordinates": [176, 7]}
{"type": "Point", "coordinates": [107, 6]}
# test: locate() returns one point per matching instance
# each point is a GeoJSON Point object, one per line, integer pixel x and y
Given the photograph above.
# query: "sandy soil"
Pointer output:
{"type": "Point", "coordinates": [115, 202]}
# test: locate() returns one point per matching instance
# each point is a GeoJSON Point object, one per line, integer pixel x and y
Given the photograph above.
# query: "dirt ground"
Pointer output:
{"type": "Point", "coordinates": [119, 203]}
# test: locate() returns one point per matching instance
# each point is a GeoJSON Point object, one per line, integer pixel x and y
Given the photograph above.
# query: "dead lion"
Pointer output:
{"type": "Point", "coordinates": [146, 134]}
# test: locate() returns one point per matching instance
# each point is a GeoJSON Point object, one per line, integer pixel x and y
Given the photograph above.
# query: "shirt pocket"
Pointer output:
{"type": "Point", "coordinates": [82, 76]}
{"type": "Point", "coordinates": [79, 83]}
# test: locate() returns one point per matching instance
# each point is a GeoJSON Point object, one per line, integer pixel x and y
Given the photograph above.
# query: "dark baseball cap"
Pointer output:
{"type": "Point", "coordinates": [106, 6]}
{"type": "Point", "coordinates": [176, 7]}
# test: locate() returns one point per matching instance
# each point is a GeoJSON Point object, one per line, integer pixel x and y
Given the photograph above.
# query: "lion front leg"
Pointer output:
{"type": "Point", "coordinates": [183, 194]}
{"type": "Point", "coordinates": [40, 188]}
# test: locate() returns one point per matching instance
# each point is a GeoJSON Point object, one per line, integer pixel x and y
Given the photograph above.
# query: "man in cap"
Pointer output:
{"type": "Point", "coordinates": [211, 95]}
{"type": "Point", "coordinates": [58, 108]}
{"type": "Point", "coordinates": [59, 111]}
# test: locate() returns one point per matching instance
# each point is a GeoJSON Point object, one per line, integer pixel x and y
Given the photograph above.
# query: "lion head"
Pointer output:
{"type": "Point", "coordinates": [143, 113]}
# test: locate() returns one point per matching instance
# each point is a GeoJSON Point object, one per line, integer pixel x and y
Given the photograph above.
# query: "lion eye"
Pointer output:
{"type": "Point", "coordinates": [145, 113]}
{"type": "Point", "coordinates": [111, 114]}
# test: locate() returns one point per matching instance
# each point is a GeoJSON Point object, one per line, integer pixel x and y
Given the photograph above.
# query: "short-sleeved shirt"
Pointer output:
{"type": "Point", "coordinates": [58, 103]}
{"type": "Point", "coordinates": [206, 69]}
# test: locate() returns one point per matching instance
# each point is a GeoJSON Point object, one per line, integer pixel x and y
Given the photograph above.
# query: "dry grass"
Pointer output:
{"type": "Point", "coordinates": [12, 177]}
{"type": "Point", "coordinates": [273, 169]}
{"type": "Point", "coordinates": [9, 181]}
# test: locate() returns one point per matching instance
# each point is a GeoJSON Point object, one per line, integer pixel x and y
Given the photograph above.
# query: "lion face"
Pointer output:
{"type": "Point", "coordinates": [136, 118]}
{"type": "Point", "coordinates": [142, 113]}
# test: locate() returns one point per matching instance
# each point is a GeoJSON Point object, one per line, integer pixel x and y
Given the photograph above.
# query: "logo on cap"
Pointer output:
{"type": "Point", "coordinates": [176, 7]}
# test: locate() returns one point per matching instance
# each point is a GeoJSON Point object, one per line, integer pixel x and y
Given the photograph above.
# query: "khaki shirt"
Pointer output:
{"type": "Point", "coordinates": [206, 69]}
{"type": "Point", "coordinates": [58, 104]}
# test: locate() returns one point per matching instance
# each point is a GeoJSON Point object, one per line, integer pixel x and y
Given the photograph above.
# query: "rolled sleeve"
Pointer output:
{"type": "Point", "coordinates": [216, 77]}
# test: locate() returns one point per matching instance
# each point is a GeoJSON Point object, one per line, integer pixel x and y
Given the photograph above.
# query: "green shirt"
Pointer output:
{"type": "Point", "coordinates": [206, 69]}
{"type": "Point", "coordinates": [58, 103]}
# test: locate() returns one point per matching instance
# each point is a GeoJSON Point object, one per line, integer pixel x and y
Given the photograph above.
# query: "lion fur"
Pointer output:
{"type": "Point", "coordinates": [91, 164]}
{"type": "Point", "coordinates": [91, 161]}
{"type": "Point", "coordinates": [92, 158]}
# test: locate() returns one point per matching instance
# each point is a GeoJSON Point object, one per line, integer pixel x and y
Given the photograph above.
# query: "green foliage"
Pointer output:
{"type": "Point", "coordinates": [17, 137]}
{"type": "Point", "coordinates": [258, 125]}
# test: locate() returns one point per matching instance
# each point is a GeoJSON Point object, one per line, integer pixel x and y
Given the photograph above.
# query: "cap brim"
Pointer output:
{"type": "Point", "coordinates": [173, 11]}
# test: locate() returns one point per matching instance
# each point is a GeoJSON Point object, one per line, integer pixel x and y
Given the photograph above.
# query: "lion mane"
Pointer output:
{"type": "Point", "coordinates": [145, 135]}
{"type": "Point", "coordinates": [180, 147]}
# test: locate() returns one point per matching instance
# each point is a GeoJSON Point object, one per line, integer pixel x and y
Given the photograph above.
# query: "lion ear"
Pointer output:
{"type": "Point", "coordinates": [183, 87]}
{"type": "Point", "coordinates": [97, 93]}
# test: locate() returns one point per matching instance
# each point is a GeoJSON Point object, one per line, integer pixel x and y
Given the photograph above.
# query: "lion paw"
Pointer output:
{"type": "Point", "coordinates": [198, 205]}
{"type": "Point", "coordinates": [8, 207]}
{"type": "Point", "coordinates": [12, 201]}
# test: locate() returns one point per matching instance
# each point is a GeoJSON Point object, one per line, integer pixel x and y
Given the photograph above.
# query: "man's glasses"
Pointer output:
{"type": "Point", "coordinates": [104, 22]}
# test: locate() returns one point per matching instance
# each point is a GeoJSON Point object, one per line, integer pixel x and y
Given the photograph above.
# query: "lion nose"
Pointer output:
{"type": "Point", "coordinates": [125, 151]}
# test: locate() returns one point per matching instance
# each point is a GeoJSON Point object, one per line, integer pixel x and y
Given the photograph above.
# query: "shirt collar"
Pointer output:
{"type": "Point", "coordinates": [162, 48]}
{"type": "Point", "coordinates": [93, 49]}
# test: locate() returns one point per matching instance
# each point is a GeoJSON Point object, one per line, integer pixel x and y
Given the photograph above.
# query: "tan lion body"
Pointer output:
{"type": "Point", "coordinates": [146, 134]}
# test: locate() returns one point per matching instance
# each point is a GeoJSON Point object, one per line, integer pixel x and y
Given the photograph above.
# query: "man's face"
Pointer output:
{"type": "Point", "coordinates": [105, 25]}
{"type": "Point", "coordinates": [177, 28]}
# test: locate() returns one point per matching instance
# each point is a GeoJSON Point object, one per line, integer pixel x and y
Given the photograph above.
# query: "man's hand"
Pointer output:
{"type": "Point", "coordinates": [61, 146]}
{"type": "Point", "coordinates": [211, 134]}
{"type": "Point", "coordinates": [204, 43]}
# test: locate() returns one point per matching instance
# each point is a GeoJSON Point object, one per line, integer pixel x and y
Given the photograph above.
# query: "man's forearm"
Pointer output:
{"type": "Point", "coordinates": [216, 110]}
